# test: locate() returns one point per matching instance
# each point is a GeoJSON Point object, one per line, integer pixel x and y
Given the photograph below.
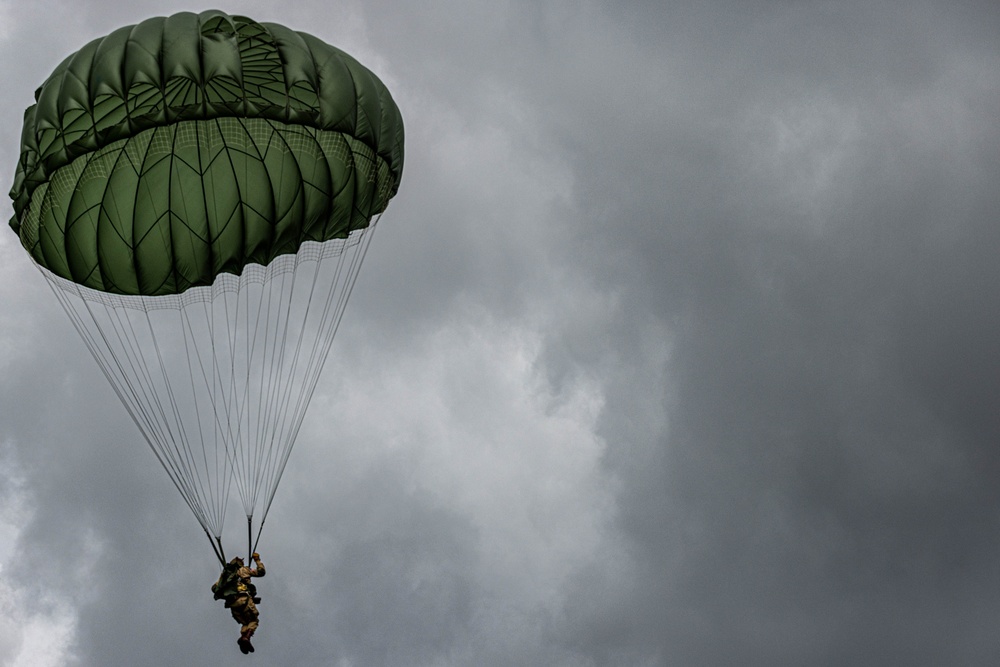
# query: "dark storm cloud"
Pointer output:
{"type": "Point", "coordinates": [816, 224]}
{"type": "Point", "coordinates": [676, 348]}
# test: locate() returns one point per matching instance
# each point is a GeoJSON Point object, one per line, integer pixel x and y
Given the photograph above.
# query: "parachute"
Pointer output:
{"type": "Point", "coordinates": [199, 191]}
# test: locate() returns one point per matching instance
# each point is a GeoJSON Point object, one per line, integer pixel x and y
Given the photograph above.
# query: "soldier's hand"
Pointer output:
{"type": "Point", "coordinates": [256, 556]}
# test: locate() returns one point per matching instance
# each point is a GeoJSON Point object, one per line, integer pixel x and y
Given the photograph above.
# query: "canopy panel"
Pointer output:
{"type": "Point", "coordinates": [180, 148]}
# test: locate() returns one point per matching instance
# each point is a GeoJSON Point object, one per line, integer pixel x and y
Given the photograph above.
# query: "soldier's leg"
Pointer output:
{"type": "Point", "coordinates": [249, 620]}
{"type": "Point", "coordinates": [242, 615]}
{"type": "Point", "coordinates": [238, 609]}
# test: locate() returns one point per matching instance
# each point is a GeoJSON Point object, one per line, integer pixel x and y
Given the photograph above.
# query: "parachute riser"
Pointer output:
{"type": "Point", "coordinates": [219, 552]}
{"type": "Point", "coordinates": [257, 541]}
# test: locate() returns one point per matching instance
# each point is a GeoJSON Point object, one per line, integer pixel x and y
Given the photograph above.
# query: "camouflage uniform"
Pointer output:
{"type": "Point", "coordinates": [234, 586]}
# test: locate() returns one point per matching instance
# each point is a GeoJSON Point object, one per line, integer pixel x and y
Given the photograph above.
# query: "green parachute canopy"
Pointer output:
{"type": "Point", "coordinates": [200, 191]}
{"type": "Point", "coordinates": [180, 148]}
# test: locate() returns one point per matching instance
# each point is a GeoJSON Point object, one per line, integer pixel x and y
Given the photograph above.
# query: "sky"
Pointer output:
{"type": "Point", "coordinates": [677, 346]}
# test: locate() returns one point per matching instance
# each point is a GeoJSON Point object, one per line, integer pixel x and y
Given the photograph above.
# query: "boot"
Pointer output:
{"type": "Point", "coordinates": [244, 642]}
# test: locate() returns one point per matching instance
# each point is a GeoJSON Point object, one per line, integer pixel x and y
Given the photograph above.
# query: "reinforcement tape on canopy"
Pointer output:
{"type": "Point", "coordinates": [309, 251]}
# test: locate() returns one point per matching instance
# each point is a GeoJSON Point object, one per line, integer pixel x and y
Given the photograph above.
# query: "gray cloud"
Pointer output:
{"type": "Point", "coordinates": [676, 347]}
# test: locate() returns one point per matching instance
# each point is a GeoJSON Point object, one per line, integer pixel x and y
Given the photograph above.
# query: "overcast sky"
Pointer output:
{"type": "Point", "coordinates": [678, 346]}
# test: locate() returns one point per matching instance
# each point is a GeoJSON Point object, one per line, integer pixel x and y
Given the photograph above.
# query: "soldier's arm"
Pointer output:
{"type": "Point", "coordinates": [260, 571]}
